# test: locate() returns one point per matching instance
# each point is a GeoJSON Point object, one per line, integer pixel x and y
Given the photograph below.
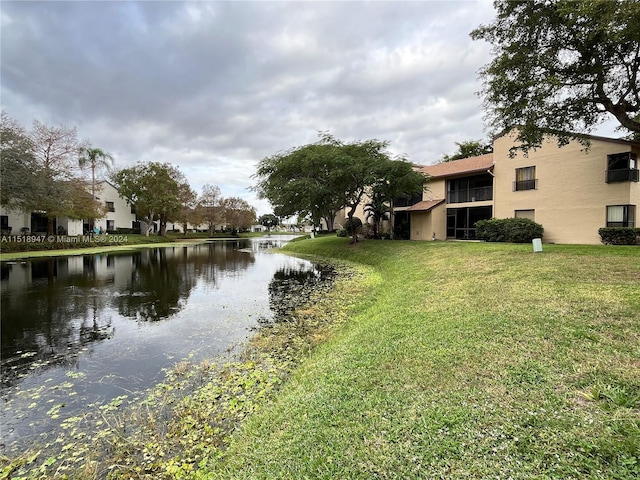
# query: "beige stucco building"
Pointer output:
{"type": "Point", "coordinates": [571, 191]}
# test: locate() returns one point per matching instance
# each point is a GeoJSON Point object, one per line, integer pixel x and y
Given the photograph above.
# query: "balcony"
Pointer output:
{"type": "Point", "coordinates": [622, 175]}
{"type": "Point", "coordinates": [475, 194]}
{"type": "Point", "coordinates": [406, 201]}
{"type": "Point", "coordinates": [520, 185]}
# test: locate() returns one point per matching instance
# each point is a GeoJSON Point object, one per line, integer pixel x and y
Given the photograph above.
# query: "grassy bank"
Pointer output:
{"type": "Point", "coordinates": [13, 251]}
{"type": "Point", "coordinates": [463, 360]}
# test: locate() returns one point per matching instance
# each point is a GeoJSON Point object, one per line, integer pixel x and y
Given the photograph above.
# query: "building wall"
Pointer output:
{"type": "Point", "coordinates": [571, 196]}
{"type": "Point", "coordinates": [425, 224]}
{"type": "Point", "coordinates": [121, 216]}
{"type": "Point", "coordinates": [17, 220]}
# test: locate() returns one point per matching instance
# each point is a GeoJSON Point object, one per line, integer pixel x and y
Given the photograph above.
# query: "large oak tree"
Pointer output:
{"type": "Point", "coordinates": [562, 66]}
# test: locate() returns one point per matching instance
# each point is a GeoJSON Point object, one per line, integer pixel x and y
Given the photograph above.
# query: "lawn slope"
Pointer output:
{"type": "Point", "coordinates": [464, 360]}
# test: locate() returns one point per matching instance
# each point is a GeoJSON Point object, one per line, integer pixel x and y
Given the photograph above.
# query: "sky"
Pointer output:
{"type": "Point", "coordinates": [215, 87]}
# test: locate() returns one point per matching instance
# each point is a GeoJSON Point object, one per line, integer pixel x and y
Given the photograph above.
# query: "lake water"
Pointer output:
{"type": "Point", "coordinates": [79, 331]}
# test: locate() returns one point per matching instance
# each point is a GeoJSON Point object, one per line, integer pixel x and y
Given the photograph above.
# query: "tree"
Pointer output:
{"type": "Point", "coordinates": [58, 191]}
{"type": "Point", "coordinates": [238, 214]}
{"type": "Point", "coordinates": [377, 209]}
{"type": "Point", "coordinates": [319, 179]}
{"type": "Point", "coordinates": [397, 180]}
{"type": "Point", "coordinates": [467, 149]}
{"type": "Point", "coordinates": [209, 205]}
{"type": "Point", "coordinates": [297, 182]}
{"type": "Point", "coordinates": [189, 213]}
{"type": "Point", "coordinates": [18, 165]}
{"type": "Point", "coordinates": [94, 158]}
{"type": "Point", "coordinates": [562, 66]}
{"type": "Point", "coordinates": [269, 220]}
{"type": "Point", "coordinates": [153, 189]}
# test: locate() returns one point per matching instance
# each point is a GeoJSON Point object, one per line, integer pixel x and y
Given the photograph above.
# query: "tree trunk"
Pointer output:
{"type": "Point", "coordinates": [391, 219]}
{"type": "Point", "coordinates": [354, 230]}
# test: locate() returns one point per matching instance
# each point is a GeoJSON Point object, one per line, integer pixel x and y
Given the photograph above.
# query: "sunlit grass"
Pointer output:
{"type": "Point", "coordinates": [435, 360]}
{"type": "Point", "coordinates": [466, 361]}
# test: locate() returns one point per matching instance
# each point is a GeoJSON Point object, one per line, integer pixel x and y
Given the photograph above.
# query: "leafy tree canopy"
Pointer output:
{"type": "Point", "coordinates": [469, 148]}
{"type": "Point", "coordinates": [154, 188]}
{"type": "Point", "coordinates": [18, 164]}
{"type": "Point", "coordinates": [269, 220]}
{"type": "Point", "coordinates": [319, 179]}
{"type": "Point", "coordinates": [238, 214]}
{"type": "Point", "coordinates": [210, 206]}
{"type": "Point", "coordinates": [38, 172]}
{"type": "Point", "coordinates": [562, 66]}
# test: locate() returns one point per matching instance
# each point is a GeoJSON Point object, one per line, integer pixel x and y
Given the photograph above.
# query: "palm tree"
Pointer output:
{"type": "Point", "coordinates": [376, 210]}
{"type": "Point", "coordinates": [94, 158]}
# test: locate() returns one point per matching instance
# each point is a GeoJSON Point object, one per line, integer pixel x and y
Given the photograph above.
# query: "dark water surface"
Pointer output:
{"type": "Point", "coordinates": [81, 331]}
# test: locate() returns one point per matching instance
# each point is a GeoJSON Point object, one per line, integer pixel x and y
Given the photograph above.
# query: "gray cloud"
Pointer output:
{"type": "Point", "coordinates": [213, 87]}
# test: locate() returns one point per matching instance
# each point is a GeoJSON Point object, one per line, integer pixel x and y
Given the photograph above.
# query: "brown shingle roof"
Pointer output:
{"type": "Point", "coordinates": [481, 163]}
{"type": "Point", "coordinates": [424, 205]}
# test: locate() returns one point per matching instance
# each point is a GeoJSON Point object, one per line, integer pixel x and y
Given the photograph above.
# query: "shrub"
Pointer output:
{"type": "Point", "coordinates": [620, 236]}
{"type": "Point", "coordinates": [514, 230]}
{"type": "Point", "coordinates": [341, 233]}
{"type": "Point", "coordinates": [490, 230]}
{"type": "Point", "coordinates": [355, 224]}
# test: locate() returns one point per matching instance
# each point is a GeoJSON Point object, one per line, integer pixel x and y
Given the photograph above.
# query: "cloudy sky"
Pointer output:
{"type": "Point", "coordinates": [214, 87]}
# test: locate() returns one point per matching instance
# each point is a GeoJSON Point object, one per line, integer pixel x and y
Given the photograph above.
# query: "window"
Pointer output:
{"type": "Point", "coordinates": [110, 207]}
{"type": "Point", "coordinates": [525, 179]}
{"type": "Point", "coordinates": [621, 215]}
{"type": "Point", "coordinates": [133, 208]}
{"type": "Point", "coordinates": [4, 221]}
{"type": "Point", "coordinates": [622, 167]}
{"type": "Point", "coordinates": [111, 225]}
{"type": "Point", "coordinates": [530, 214]}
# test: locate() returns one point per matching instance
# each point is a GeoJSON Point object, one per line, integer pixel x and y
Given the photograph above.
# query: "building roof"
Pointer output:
{"type": "Point", "coordinates": [481, 163]}
{"type": "Point", "coordinates": [424, 205]}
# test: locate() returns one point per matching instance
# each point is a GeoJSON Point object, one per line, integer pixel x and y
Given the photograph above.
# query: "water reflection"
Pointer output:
{"type": "Point", "coordinates": [112, 322]}
{"type": "Point", "coordinates": [289, 288]}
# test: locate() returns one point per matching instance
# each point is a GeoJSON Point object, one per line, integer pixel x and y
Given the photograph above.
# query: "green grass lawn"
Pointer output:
{"type": "Point", "coordinates": [461, 360]}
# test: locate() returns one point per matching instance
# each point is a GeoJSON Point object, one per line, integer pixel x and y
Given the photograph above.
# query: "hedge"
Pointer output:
{"type": "Point", "coordinates": [513, 230]}
{"type": "Point", "coordinates": [620, 236]}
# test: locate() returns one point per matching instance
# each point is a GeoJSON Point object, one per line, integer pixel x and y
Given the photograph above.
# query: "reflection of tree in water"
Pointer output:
{"type": "Point", "coordinates": [56, 307]}
{"type": "Point", "coordinates": [161, 280]}
{"type": "Point", "coordinates": [156, 286]}
{"type": "Point", "coordinates": [290, 288]}
{"type": "Point", "coordinates": [52, 318]}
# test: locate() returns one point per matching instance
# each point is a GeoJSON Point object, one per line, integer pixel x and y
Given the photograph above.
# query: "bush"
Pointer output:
{"type": "Point", "coordinates": [620, 236]}
{"type": "Point", "coordinates": [490, 230]}
{"type": "Point", "coordinates": [341, 233]}
{"type": "Point", "coordinates": [513, 230]}
{"type": "Point", "coordinates": [126, 231]}
{"type": "Point", "coordinates": [355, 224]}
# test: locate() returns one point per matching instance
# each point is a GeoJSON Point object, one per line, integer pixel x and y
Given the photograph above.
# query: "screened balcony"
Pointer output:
{"type": "Point", "coordinates": [622, 167]}
{"type": "Point", "coordinates": [478, 188]}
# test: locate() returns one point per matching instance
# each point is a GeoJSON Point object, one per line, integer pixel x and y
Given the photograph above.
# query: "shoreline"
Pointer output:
{"type": "Point", "coordinates": [220, 392]}
{"type": "Point", "coordinates": [11, 256]}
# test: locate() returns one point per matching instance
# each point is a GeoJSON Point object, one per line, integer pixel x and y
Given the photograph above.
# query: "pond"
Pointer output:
{"type": "Point", "coordinates": [81, 331]}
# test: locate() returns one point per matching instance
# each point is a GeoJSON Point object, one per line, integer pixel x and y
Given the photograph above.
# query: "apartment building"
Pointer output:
{"type": "Point", "coordinates": [118, 214]}
{"type": "Point", "coordinates": [572, 191]}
